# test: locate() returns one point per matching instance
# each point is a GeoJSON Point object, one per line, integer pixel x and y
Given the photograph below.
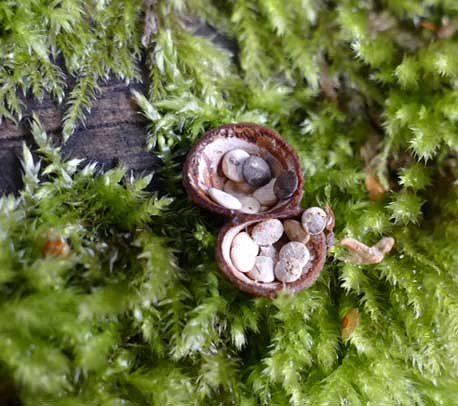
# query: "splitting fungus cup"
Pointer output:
{"type": "Point", "coordinates": [203, 173]}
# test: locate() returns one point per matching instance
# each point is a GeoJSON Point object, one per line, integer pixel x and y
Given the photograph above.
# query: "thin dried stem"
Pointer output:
{"type": "Point", "coordinates": [361, 254]}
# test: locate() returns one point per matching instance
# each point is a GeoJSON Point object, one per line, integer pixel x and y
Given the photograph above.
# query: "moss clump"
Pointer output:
{"type": "Point", "coordinates": [138, 313]}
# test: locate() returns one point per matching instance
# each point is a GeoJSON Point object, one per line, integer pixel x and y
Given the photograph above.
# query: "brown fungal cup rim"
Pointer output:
{"type": "Point", "coordinates": [263, 138]}
{"type": "Point", "coordinates": [317, 245]}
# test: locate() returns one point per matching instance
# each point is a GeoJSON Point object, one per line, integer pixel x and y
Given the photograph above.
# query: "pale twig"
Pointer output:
{"type": "Point", "coordinates": [361, 254]}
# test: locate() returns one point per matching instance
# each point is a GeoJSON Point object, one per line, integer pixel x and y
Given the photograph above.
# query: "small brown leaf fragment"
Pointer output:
{"type": "Point", "coordinates": [446, 29]}
{"type": "Point", "coordinates": [361, 254]}
{"type": "Point", "coordinates": [374, 187]}
{"type": "Point", "coordinates": [349, 324]}
{"type": "Point", "coordinates": [428, 25]}
{"type": "Point", "coordinates": [57, 248]}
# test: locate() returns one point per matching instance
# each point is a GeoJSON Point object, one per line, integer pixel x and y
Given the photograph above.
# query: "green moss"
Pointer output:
{"type": "Point", "coordinates": [139, 313]}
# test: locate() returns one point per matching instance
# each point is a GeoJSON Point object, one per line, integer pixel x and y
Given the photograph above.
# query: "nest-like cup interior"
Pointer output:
{"type": "Point", "coordinates": [316, 246]}
{"type": "Point", "coordinates": [203, 165]}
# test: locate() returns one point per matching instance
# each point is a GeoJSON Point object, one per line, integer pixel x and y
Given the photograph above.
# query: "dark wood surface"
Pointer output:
{"type": "Point", "coordinates": [114, 131]}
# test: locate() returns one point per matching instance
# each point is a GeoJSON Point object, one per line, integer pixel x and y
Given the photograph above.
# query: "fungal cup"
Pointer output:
{"type": "Point", "coordinates": [203, 172]}
{"type": "Point", "coordinates": [312, 270]}
{"type": "Point", "coordinates": [203, 166]}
